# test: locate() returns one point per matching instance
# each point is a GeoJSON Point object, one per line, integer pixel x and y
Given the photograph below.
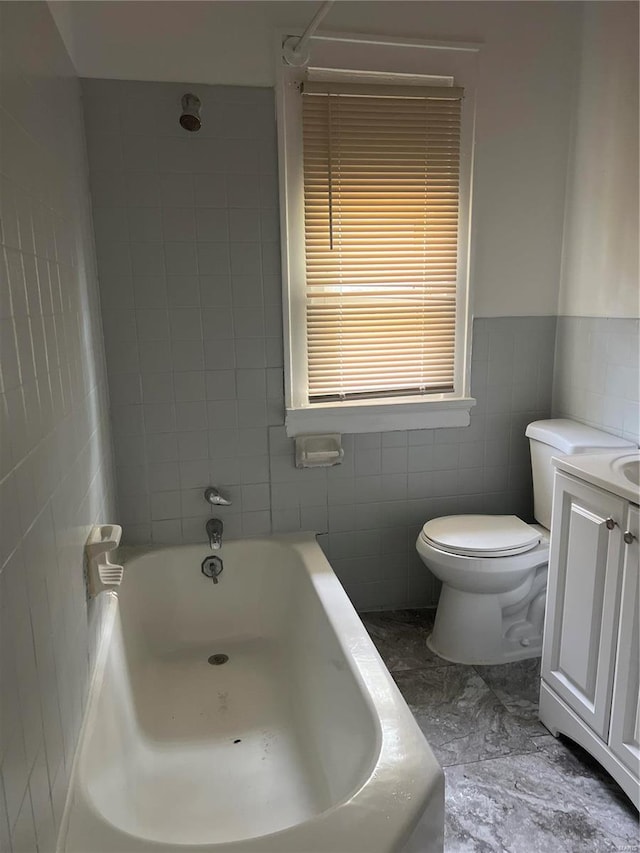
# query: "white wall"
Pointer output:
{"type": "Point", "coordinates": [527, 75]}
{"type": "Point", "coordinates": [600, 263]}
{"type": "Point", "coordinates": [55, 454]}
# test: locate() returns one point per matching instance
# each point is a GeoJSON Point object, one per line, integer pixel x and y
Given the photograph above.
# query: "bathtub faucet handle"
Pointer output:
{"type": "Point", "coordinates": [214, 528]}
{"type": "Point", "coordinates": [213, 496]}
{"type": "Point", "coordinates": [212, 567]}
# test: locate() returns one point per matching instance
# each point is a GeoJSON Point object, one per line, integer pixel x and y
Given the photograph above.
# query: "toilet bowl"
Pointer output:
{"type": "Point", "coordinates": [493, 571]}
{"type": "Point", "coordinates": [493, 568]}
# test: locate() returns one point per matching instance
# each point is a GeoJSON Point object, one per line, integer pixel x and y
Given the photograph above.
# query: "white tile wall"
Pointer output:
{"type": "Point", "coordinates": [190, 286]}
{"type": "Point", "coordinates": [596, 377]}
{"type": "Point", "coordinates": [55, 457]}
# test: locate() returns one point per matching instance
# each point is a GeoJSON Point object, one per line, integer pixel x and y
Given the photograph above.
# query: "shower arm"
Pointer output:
{"type": "Point", "coordinates": [294, 47]}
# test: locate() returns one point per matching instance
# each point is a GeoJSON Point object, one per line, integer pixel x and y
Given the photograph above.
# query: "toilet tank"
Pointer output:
{"type": "Point", "coordinates": [560, 437]}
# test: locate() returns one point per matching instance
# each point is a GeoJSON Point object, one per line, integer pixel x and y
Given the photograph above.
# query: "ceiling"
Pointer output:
{"type": "Point", "coordinates": [232, 42]}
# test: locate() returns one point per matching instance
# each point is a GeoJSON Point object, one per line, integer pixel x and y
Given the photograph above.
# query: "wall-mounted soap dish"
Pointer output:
{"type": "Point", "coordinates": [319, 451]}
{"type": "Point", "coordinates": [101, 572]}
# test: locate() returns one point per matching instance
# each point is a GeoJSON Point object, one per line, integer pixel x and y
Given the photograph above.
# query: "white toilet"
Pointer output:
{"type": "Point", "coordinates": [493, 568]}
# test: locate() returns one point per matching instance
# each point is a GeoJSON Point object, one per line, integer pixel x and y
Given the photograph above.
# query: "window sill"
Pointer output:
{"type": "Point", "coordinates": [379, 416]}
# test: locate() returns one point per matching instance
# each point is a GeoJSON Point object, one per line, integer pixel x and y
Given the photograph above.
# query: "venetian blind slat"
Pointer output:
{"type": "Point", "coordinates": [381, 190]}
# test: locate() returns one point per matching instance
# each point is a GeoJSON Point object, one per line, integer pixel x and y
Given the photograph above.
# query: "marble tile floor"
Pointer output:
{"type": "Point", "coordinates": [511, 787]}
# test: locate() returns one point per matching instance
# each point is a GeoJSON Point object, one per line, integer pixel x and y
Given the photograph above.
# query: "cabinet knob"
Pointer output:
{"type": "Point", "coordinates": [611, 523]}
{"type": "Point", "coordinates": [628, 537]}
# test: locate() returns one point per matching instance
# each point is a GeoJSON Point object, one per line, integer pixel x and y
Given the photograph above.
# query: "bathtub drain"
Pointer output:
{"type": "Point", "coordinates": [217, 660]}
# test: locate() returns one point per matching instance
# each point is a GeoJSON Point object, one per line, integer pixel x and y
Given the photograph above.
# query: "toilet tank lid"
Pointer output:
{"type": "Point", "coordinates": [569, 437]}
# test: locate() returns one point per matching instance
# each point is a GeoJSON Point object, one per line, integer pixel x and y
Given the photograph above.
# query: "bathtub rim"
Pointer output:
{"type": "Point", "coordinates": [412, 776]}
{"type": "Point", "coordinates": [93, 695]}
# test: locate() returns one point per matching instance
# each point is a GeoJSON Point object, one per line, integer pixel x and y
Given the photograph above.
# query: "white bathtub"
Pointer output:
{"type": "Point", "coordinates": [300, 743]}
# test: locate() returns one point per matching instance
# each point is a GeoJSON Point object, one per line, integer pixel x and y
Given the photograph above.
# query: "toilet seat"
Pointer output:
{"type": "Point", "coordinates": [481, 535]}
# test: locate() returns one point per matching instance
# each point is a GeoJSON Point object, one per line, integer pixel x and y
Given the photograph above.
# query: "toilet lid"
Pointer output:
{"type": "Point", "coordinates": [481, 535]}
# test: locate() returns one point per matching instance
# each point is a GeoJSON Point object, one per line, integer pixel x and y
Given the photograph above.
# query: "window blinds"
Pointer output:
{"type": "Point", "coordinates": [381, 188]}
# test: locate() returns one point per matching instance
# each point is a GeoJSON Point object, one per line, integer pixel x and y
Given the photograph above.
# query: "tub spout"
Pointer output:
{"type": "Point", "coordinates": [214, 532]}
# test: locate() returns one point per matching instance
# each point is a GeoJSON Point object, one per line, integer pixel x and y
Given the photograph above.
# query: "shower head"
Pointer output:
{"type": "Point", "coordinates": [190, 116]}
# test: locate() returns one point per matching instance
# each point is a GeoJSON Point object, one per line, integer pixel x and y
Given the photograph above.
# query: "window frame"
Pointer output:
{"type": "Point", "coordinates": [387, 58]}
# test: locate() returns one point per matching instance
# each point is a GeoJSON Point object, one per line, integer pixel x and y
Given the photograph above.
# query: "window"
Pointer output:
{"type": "Point", "coordinates": [376, 168]}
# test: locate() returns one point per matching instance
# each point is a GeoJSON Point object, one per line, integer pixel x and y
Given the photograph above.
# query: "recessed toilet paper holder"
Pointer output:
{"type": "Point", "coordinates": [102, 574]}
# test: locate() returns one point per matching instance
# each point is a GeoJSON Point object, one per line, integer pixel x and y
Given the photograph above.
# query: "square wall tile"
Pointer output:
{"type": "Point", "coordinates": [56, 465]}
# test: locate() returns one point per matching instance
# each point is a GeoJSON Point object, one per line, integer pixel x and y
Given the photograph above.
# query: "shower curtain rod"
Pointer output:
{"type": "Point", "coordinates": [314, 24]}
{"type": "Point", "coordinates": [295, 48]}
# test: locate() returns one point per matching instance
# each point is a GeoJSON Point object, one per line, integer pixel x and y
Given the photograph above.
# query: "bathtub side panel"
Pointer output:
{"type": "Point", "coordinates": [428, 834]}
{"type": "Point", "coordinates": [363, 728]}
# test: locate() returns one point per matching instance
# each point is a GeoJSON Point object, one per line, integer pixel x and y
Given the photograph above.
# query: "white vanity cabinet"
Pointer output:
{"type": "Point", "coordinates": [624, 731]}
{"type": "Point", "coordinates": [590, 652]}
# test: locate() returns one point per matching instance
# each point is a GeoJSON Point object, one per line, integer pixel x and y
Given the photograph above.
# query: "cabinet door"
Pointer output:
{"type": "Point", "coordinates": [624, 735]}
{"type": "Point", "coordinates": [583, 598]}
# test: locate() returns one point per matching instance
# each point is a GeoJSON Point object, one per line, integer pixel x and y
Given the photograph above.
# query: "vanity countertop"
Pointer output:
{"type": "Point", "coordinates": [616, 471]}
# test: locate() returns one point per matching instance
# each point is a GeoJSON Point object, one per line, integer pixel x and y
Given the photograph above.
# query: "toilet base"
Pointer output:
{"type": "Point", "coordinates": [472, 628]}
{"type": "Point", "coordinates": [509, 655]}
